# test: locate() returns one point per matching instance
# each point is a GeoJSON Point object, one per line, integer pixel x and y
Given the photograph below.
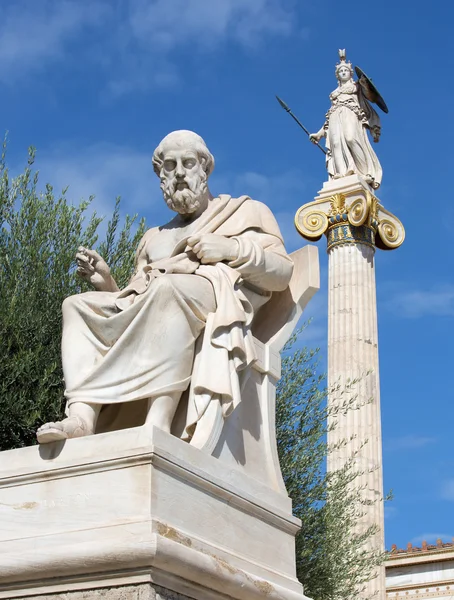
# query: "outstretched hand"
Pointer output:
{"type": "Point", "coordinates": [93, 268]}
{"type": "Point", "coordinates": [213, 248]}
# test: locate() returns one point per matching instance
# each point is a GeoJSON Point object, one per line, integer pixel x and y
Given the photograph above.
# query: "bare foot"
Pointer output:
{"type": "Point", "coordinates": [71, 427]}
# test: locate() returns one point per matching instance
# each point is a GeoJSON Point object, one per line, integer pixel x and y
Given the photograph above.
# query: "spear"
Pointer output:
{"type": "Point", "coordinates": [286, 108]}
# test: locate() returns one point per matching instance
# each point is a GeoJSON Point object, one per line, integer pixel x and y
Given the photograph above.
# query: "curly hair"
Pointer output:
{"type": "Point", "coordinates": [346, 64]}
{"type": "Point", "coordinates": [183, 139]}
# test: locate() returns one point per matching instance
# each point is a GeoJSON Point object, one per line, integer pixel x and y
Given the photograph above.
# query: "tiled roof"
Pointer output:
{"type": "Point", "coordinates": [425, 547]}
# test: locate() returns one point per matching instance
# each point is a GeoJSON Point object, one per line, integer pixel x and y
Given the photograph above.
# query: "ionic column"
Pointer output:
{"type": "Point", "coordinates": [355, 223]}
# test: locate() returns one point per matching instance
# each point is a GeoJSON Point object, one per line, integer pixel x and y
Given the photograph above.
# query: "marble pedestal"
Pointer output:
{"type": "Point", "coordinates": [140, 514]}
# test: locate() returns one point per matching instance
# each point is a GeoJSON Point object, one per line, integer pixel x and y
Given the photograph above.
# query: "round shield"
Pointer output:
{"type": "Point", "coordinates": [370, 91]}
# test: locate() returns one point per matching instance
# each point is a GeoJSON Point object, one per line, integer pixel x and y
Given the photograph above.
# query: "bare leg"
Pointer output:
{"type": "Point", "coordinates": [80, 422]}
{"type": "Point", "coordinates": [161, 411]}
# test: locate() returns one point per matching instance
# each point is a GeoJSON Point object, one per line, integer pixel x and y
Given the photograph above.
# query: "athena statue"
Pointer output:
{"type": "Point", "coordinates": [346, 125]}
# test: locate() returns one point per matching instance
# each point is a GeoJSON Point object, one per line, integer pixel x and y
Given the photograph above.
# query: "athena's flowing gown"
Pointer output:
{"type": "Point", "coordinates": [346, 127]}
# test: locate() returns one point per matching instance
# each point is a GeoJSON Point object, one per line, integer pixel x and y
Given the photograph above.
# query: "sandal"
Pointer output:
{"type": "Point", "coordinates": [72, 427]}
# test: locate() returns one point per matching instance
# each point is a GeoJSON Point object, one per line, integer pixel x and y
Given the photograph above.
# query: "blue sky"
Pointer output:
{"type": "Point", "coordinates": [95, 85]}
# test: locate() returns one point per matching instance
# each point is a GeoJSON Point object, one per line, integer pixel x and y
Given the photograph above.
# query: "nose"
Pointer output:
{"type": "Point", "coordinates": [179, 171]}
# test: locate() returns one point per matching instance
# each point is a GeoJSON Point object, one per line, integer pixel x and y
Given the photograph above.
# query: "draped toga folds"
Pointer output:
{"type": "Point", "coordinates": [141, 342]}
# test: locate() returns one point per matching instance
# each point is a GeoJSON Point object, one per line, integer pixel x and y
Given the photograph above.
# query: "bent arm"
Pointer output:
{"type": "Point", "coordinates": [141, 259]}
{"type": "Point", "coordinates": [263, 261]}
{"type": "Point", "coordinates": [93, 268]}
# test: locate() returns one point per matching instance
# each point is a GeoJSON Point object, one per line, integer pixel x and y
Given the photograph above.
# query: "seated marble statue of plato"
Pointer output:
{"type": "Point", "coordinates": [197, 284]}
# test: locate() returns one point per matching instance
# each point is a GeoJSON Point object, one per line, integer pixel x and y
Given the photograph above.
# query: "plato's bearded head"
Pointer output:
{"type": "Point", "coordinates": [183, 163]}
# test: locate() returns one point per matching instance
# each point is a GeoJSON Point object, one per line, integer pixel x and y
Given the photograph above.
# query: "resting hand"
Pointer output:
{"type": "Point", "coordinates": [93, 268]}
{"type": "Point", "coordinates": [213, 248]}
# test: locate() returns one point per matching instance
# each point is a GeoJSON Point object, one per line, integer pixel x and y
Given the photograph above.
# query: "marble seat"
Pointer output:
{"type": "Point", "coordinates": [247, 436]}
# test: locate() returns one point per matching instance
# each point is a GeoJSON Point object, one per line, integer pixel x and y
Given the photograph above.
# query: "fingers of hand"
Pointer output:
{"type": "Point", "coordinates": [204, 252]}
{"type": "Point", "coordinates": [87, 271]}
{"type": "Point", "coordinates": [83, 273]}
{"type": "Point", "coordinates": [197, 249]}
{"type": "Point", "coordinates": [83, 262]}
{"type": "Point", "coordinates": [93, 255]}
{"type": "Point", "coordinates": [207, 254]}
{"type": "Point", "coordinates": [82, 257]}
{"type": "Point", "coordinates": [193, 240]}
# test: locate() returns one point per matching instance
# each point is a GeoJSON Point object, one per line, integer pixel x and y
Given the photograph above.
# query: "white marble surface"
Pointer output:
{"type": "Point", "coordinates": [348, 122]}
{"type": "Point", "coordinates": [194, 499]}
{"type": "Point", "coordinates": [145, 501]}
{"type": "Point", "coordinates": [184, 320]}
{"type": "Point", "coordinates": [353, 354]}
{"type": "Point", "coordinates": [135, 504]}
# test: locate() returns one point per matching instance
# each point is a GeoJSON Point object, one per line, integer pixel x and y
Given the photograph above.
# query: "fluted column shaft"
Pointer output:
{"type": "Point", "coordinates": [353, 354]}
{"type": "Point", "coordinates": [355, 223]}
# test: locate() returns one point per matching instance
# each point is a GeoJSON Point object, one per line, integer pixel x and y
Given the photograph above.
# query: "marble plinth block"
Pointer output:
{"type": "Point", "coordinates": [140, 506]}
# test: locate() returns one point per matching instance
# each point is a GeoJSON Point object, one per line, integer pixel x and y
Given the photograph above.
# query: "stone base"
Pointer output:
{"type": "Point", "coordinates": [141, 591]}
{"type": "Point", "coordinates": [352, 184]}
{"type": "Point", "coordinates": [117, 514]}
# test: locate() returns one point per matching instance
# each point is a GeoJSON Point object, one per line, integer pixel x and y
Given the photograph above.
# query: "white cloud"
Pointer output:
{"type": "Point", "coordinates": [32, 34]}
{"type": "Point", "coordinates": [413, 304]}
{"type": "Point", "coordinates": [138, 73]}
{"type": "Point", "coordinates": [131, 42]}
{"type": "Point", "coordinates": [154, 29]}
{"type": "Point", "coordinates": [282, 192]}
{"type": "Point", "coordinates": [447, 491]}
{"type": "Point", "coordinates": [206, 23]}
{"type": "Point", "coordinates": [108, 170]}
{"type": "Point", "coordinates": [105, 171]}
{"type": "Point", "coordinates": [408, 442]}
{"type": "Point", "coordinates": [431, 538]}
{"type": "Point", "coordinates": [390, 512]}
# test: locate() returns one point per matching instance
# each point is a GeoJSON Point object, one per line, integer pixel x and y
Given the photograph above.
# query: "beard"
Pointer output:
{"type": "Point", "coordinates": [185, 201]}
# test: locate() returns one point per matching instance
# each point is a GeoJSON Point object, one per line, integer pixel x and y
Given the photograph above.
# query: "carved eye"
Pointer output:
{"type": "Point", "coordinates": [189, 163]}
{"type": "Point", "coordinates": [170, 165]}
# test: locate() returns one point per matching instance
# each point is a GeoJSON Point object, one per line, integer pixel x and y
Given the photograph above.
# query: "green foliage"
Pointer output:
{"type": "Point", "coordinates": [39, 236]}
{"type": "Point", "coordinates": [333, 557]}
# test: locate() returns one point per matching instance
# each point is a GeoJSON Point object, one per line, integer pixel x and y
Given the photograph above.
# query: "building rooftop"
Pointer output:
{"type": "Point", "coordinates": [425, 547]}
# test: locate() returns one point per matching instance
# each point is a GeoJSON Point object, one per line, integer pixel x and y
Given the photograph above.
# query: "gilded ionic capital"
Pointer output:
{"type": "Point", "coordinates": [356, 217]}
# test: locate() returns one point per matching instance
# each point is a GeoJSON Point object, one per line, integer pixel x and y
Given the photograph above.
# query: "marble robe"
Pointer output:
{"type": "Point", "coordinates": [178, 323]}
